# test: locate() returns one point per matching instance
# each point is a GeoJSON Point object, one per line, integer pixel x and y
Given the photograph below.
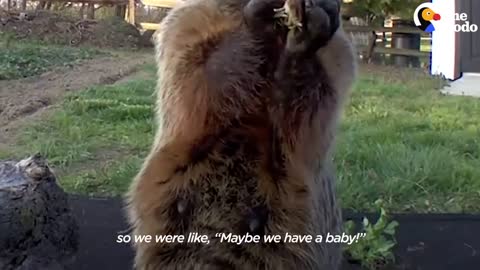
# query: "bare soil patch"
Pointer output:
{"type": "Point", "coordinates": [24, 99]}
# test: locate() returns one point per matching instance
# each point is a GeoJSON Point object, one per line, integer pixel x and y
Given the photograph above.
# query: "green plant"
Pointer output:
{"type": "Point", "coordinates": [375, 249]}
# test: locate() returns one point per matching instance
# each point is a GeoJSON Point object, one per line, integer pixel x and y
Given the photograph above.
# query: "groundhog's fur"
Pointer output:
{"type": "Point", "coordinates": [246, 124]}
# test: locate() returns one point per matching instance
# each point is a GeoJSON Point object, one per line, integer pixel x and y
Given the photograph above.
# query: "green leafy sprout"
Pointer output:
{"type": "Point", "coordinates": [375, 249]}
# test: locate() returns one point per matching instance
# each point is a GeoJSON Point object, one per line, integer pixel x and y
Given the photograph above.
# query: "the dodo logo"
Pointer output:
{"type": "Point", "coordinates": [427, 17]}
{"type": "Point", "coordinates": [424, 16]}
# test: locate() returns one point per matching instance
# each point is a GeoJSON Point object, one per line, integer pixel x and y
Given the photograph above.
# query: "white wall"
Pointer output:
{"type": "Point", "coordinates": [443, 40]}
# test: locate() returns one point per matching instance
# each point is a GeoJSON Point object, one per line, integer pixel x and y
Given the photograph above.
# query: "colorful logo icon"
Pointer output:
{"type": "Point", "coordinates": [424, 16]}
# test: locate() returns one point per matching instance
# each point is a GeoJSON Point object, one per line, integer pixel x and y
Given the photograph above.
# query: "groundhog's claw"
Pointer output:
{"type": "Point", "coordinates": [320, 22]}
{"type": "Point", "coordinates": [291, 14]}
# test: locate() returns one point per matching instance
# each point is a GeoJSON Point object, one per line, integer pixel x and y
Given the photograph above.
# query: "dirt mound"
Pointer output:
{"type": "Point", "coordinates": [60, 29]}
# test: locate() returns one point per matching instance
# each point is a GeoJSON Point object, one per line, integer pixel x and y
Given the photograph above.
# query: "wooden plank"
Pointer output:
{"type": "Point", "coordinates": [150, 26]}
{"type": "Point", "coordinates": [131, 12]}
{"type": "Point", "coordinates": [382, 50]}
{"type": "Point", "coordinates": [160, 3]}
{"type": "Point", "coordinates": [394, 51]}
{"type": "Point", "coordinates": [405, 52]}
{"type": "Point", "coordinates": [405, 30]}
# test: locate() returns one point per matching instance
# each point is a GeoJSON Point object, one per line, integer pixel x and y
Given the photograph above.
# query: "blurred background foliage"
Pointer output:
{"type": "Point", "coordinates": [376, 11]}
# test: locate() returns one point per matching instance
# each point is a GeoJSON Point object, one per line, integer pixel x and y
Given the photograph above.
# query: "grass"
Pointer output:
{"type": "Point", "coordinates": [21, 60]}
{"type": "Point", "coordinates": [98, 136]}
{"type": "Point", "coordinates": [411, 146]}
{"type": "Point", "coordinates": [401, 141]}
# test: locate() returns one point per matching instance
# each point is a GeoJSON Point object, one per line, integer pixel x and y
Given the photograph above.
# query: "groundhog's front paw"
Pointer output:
{"type": "Point", "coordinates": [321, 19]}
{"type": "Point", "coordinates": [259, 15]}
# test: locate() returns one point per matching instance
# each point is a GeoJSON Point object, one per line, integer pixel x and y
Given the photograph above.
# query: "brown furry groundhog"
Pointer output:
{"type": "Point", "coordinates": [247, 113]}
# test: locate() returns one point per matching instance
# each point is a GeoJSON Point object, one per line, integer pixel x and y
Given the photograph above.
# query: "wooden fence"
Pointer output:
{"type": "Point", "coordinates": [131, 11]}
{"type": "Point", "coordinates": [377, 45]}
{"type": "Point", "coordinates": [372, 38]}
{"type": "Point", "coordinates": [85, 6]}
{"type": "Point", "coordinates": [367, 50]}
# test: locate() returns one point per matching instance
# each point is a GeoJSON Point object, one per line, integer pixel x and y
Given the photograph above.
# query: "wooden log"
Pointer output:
{"type": "Point", "coordinates": [37, 228]}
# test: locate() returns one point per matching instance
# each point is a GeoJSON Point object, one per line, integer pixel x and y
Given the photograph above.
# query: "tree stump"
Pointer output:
{"type": "Point", "coordinates": [37, 228]}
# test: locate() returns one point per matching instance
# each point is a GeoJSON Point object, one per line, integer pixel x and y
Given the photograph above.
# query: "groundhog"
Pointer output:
{"type": "Point", "coordinates": [247, 112]}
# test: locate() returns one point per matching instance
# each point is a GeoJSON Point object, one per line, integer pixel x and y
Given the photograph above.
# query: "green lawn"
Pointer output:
{"type": "Point", "coordinates": [401, 141]}
{"type": "Point", "coordinates": [405, 142]}
{"type": "Point", "coordinates": [20, 60]}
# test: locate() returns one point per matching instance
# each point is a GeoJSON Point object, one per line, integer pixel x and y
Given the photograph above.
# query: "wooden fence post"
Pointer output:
{"type": "Point", "coordinates": [91, 11]}
{"type": "Point", "coordinates": [120, 11]}
{"type": "Point", "coordinates": [131, 11]}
